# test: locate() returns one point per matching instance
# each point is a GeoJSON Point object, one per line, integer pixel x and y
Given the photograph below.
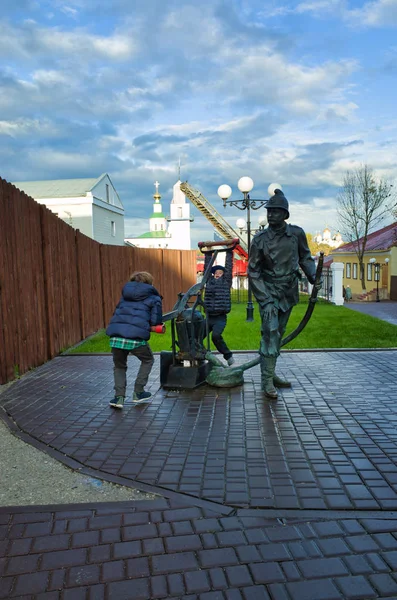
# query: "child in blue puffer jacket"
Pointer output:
{"type": "Point", "coordinates": [139, 308]}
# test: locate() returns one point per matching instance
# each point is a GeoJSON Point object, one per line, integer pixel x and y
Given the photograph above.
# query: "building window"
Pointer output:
{"type": "Point", "coordinates": [348, 270]}
{"type": "Point", "coordinates": [354, 270]}
{"type": "Point", "coordinates": [155, 227]}
{"type": "Point", "coordinates": [113, 228]}
{"type": "Point", "coordinates": [107, 193]}
{"type": "Point", "coordinates": [369, 272]}
{"type": "Point", "coordinates": [162, 227]}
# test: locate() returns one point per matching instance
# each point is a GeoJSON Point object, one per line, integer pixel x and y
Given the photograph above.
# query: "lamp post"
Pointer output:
{"type": "Point", "coordinates": [245, 185]}
{"type": "Point", "coordinates": [377, 265]}
{"type": "Point", "coordinates": [242, 225]}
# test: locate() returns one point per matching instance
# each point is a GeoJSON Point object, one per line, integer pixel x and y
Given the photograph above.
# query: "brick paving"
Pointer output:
{"type": "Point", "coordinates": [294, 500]}
{"type": "Point", "coordinates": [165, 549]}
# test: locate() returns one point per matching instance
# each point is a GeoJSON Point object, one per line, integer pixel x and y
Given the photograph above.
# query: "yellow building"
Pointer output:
{"type": "Point", "coordinates": [380, 265]}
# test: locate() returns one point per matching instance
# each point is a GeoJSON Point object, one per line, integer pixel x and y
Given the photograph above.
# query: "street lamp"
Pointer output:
{"type": "Point", "coordinates": [245, 185]}
{"type": "Point", "coordinates": [242, 225]}
{"type": "Point", "coordinates": [377, 265]}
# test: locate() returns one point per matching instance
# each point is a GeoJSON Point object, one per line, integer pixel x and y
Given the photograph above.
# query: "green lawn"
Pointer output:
{"type": "Point", "coordinates": [330, 327]}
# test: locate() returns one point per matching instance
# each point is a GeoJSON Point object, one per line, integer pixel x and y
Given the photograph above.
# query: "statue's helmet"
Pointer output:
{"type": "Point", "coordinates": [278, 200]}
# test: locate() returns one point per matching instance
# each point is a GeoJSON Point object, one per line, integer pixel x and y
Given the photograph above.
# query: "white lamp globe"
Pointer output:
{"type": "Point", "coordinates": [224, 191]}
{"type": "Point", "coordinates": [262, 221]}
{"type": "Point", "coordinates": [387, 260]}
{"type": "Point", "coordinates": [241, 224]}
{"type": "Point", "coordinates": [372, 260]}
{"type": "Point", "coordinates": [245, 184]}
{"type": "Point", "coordinates": [272, 187]}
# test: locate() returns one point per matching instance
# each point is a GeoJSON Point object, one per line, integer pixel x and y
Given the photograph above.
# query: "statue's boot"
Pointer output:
{"type": "Point", "coordinates": [280, 383]}
{"type": "Point", "coordinates": [268, 366]}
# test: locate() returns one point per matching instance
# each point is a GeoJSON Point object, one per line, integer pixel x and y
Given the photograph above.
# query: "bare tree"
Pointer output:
{"type": "Point", "coordinates": [362, 204]}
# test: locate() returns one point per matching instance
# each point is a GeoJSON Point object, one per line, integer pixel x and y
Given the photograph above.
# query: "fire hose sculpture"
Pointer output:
{"type": "Point", "coordinates": [276, 257]}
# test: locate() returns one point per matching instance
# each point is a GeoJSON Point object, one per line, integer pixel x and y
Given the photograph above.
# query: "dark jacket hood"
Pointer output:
{"type": "Point", "coordinates": [137, 291]}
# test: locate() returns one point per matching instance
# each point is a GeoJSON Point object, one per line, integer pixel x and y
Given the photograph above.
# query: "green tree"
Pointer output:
{"type": "Point", "coordinates": [363, 202]}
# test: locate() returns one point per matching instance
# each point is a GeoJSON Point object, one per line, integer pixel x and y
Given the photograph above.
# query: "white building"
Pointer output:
{"type": "Point", "coordinates": [334, 241]}
{"type": "Point", "coordinates": [90, 205]}
{"type": "Point", "coordinates": [174, 237]}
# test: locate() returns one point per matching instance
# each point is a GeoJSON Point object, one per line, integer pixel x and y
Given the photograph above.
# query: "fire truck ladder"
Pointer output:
{"type": "Point", "coordinates": [216, 220]}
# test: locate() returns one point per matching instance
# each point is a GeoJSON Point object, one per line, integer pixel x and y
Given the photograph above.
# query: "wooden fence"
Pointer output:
{"type": "Point", "coordinates": [58, 286]}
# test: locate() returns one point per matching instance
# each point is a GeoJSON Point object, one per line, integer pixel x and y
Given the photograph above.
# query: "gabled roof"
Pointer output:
{"type": "Point", "coordinates": [58, 188]}
{"type": "Point", "coordinates": [382, 239]}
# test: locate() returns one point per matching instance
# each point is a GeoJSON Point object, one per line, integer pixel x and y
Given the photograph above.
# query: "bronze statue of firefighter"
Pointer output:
{"type": "Point", "coordinates": [277, 254]}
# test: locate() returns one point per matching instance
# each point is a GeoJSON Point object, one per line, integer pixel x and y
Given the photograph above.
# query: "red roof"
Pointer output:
{"type": "Point", "coordinates": [382, 239]}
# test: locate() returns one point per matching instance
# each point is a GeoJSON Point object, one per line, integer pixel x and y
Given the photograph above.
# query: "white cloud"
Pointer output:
{"type": "Point", "coordinates": [375, 14]}
{"type": "Point", "coordinates": [32, 40]}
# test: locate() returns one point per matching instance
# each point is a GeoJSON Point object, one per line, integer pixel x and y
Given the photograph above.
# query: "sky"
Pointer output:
{"type": "Point", "coordinates": [290, 92]}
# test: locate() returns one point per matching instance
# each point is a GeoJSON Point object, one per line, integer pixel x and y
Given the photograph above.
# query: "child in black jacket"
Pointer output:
{"type": "Point", "coordinates": [217, 301]}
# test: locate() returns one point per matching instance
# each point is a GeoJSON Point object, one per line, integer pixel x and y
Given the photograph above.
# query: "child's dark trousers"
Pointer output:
{"type": "Point", "coordinates": [145, 355]}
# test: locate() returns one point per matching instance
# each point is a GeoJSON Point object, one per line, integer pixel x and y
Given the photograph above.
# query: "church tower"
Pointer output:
{"type": "Point", "coordinates": [157, 221]}
{"type": "Point", "coordinates": [179, 220]}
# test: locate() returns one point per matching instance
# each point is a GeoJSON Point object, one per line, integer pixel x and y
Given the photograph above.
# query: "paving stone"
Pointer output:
{"type": "Point", "coordinates": [212, 596]}
{"type": "Point", "coordinates": [67, 558]}
{"type": "Point", "coordinates": [218, 579]}
{"type": "Point", "coordinates": [99, 554]}
{"type": "Point", "coordinates": [257, 592]}
{"type": "Point", "coordinates": [57, 579]}
{"type": "Point", "coordinates": [22, 564]}
{"type": "Point", "coordinates": [197, 582]}
{"type": "Point", "coordinates": [170, 563]}
{"type": "Point", "coordinates": [158, 586]}
{"type": "Point", "coordinates": [333, 547]}
{"type": "Point", "coordinates": [139, 589]}
{"type": "Point", "coordinates": [138, 567]}
{"type": "Point", "coordinates": [32, 583]}
{"type": "Point", "coordinates": [84, 539]}
{"type": "Point", "coordinates": [218, 557]}
{"type": "Point", "coordinates": [317, 589]}
{"type": "Point", "coordinates": [113, 570]}
{"type": "Point", "coordinates": [248, 554]}
{"type": "Point", "coordinates": [176, 584]}
{"type": "Point", "coordinates": [266, 573]}
{"type": "Point", "coordinates": [182, 543]}
{"type": "Point", "coordinates": [358, 565]}
{"type": "Point", "coordinates": [322, 567]}
{"type": "Point", "coordinates": [83, 575]}
{"type": "Point", "coordinates": [273, 552]}
{"type": "Point", "coordinates": [139, 532]}
{"type": "Point", "coordinates": [18, 547]}
{"type": "Point", "coordinates": [355, 588]}
{"type": "Point", "coordinates": [182, 528]}
{"type": "Point", "coordinates": [238, 576]}
{"type": "Point", "coordinates": [127, 549]}
{"type": "Point", "coordinates": [362, 543]}
{"type": "Point", "coordinates": [291, 571]}
{"type": "Point", "coordinates": [384, 584]}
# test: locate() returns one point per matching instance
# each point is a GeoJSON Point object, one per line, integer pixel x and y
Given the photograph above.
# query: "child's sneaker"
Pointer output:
{"type": "Point", "coordinates": [117, 402]}
{"type": "Point", "coordinates": [141, 397]}
{"type": "Point", "coordinates": [230, 361]}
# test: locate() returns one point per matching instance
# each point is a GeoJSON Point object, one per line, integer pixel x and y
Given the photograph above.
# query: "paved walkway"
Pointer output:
{"type": "Point", "coordinates": [385, 309]}
{"type": "Point", "coordinates": [289, 500]}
